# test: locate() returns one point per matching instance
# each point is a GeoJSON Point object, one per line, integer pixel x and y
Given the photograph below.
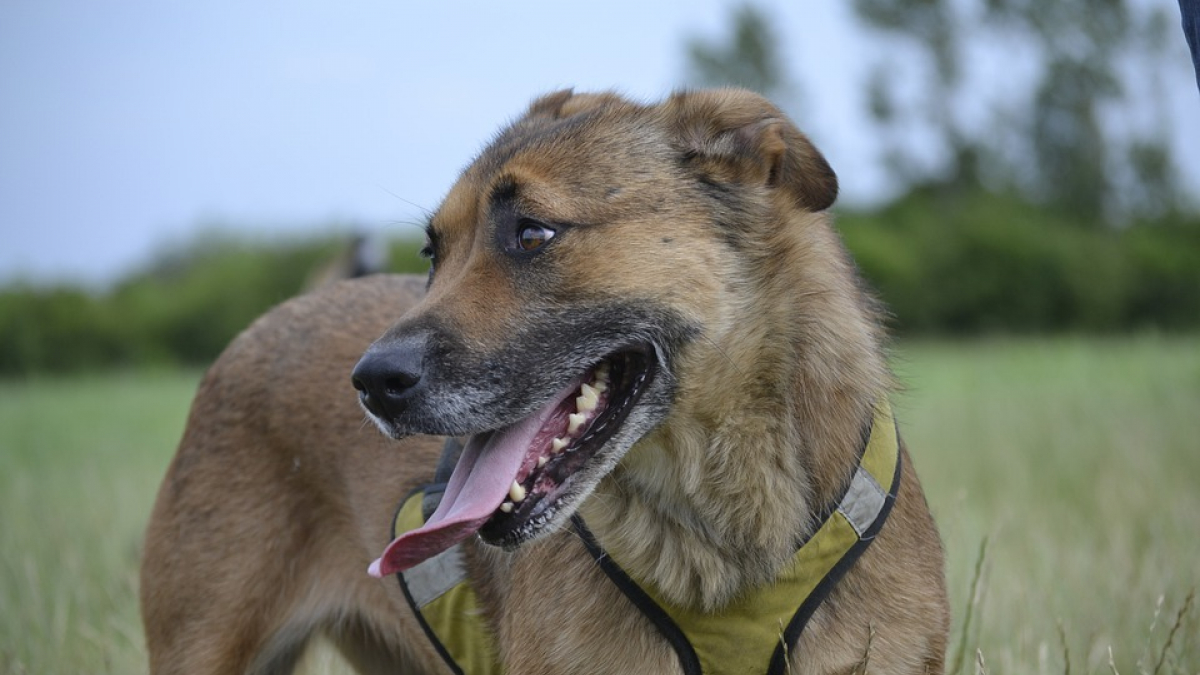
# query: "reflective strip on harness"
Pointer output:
{"type": "Point", "coordinates": [433, 578]}
{"type": "Point", "coordinates": [865, 498]}
{"type": "Point", "coordinates": [863, 502]}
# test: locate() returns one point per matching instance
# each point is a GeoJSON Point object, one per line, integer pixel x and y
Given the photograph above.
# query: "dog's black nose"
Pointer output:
{"type": "Point", "coordinates": [387, 377]}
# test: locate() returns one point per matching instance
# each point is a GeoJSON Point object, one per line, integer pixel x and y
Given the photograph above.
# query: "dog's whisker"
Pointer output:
{"type": "Point", "coordinates": [721, 351]}
{"type": "Point", "coordinates": [418, 224]}
{"type": "Point", "coordinates": [427, 213]}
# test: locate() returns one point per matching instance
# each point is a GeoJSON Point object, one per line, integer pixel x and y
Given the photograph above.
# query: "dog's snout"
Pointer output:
{"type": "Point", "coordinates": [388, 378]}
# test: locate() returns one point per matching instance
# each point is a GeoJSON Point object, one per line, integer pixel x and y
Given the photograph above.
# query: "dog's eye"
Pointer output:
{"type": "Point", "coordinates": [429, 252]}
{"type": "Point", "coordinates": [533, 235]}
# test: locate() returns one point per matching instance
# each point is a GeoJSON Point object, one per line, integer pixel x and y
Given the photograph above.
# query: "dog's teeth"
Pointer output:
{"type": "Point", "coordinates": [506, 507]}
{"type": "Point", "coordinates": [542, 461]}
{"type": "Point", "coordinates": [575, 422]}
{"type": "Point", "coordinates": [516, 493]}
{"type": "Point", "coordinates": [558, 444]}
{"type": "Point", "coordinates": [587, 399]}
{"type": "Point", "coordinates": [600, 379]}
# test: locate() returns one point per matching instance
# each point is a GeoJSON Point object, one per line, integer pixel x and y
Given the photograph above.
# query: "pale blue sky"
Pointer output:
{"type": "Point", "coordinates": [126, 125]}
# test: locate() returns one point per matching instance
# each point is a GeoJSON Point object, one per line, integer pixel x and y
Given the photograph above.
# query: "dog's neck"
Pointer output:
{"type": "Point", "coordinates": [764, 433]}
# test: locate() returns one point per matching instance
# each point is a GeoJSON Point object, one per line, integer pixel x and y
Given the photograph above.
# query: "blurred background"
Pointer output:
{"type": "Point", "coordinates": [1005, 166]}
{"type": "Point", "coordinates": [1020, 181]}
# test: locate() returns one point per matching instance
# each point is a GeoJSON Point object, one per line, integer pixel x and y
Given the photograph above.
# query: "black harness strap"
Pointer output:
{"type": "Point", "coordinates": [688, 660]}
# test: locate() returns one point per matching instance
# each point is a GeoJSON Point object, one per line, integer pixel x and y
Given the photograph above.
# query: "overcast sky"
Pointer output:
{"type": "Point", "coordinates": [128, 126]}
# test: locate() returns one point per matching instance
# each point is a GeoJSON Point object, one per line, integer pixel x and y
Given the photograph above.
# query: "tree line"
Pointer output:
{"type": "Point", "coordinates": [985, 264]}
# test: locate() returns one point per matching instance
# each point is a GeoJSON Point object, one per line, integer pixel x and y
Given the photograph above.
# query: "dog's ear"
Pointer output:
{"type": "Point", "coordinates": [566, 103]}
{"type": "Point", "coordinates": [738, 136]}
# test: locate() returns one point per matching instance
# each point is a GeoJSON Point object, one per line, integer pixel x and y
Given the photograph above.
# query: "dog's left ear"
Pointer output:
{"type": "Point", "coordinates": [736, 135]}
{"type": "Point", "coordinates": [566, 103]}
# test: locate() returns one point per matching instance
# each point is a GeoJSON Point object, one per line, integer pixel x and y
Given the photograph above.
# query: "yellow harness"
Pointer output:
{"type": "Point", "coordinates": [751, 635]}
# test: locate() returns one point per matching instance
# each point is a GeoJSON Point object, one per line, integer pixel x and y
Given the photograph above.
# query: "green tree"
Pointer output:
{"type": "Point", "coordinates": [748, 57]}
{"type": "Point", "coordinates": [1055, 143]}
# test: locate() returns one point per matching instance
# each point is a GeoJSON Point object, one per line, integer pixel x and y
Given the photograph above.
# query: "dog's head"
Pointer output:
{"type": "Point", "coordinates": [575, 266]}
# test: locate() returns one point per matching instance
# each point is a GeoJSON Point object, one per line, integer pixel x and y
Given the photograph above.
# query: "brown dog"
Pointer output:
{"type": "Point", "coordinates": [643, 321]}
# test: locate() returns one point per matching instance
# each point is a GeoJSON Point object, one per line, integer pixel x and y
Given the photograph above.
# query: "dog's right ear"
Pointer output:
{"type": "Point", "coordinates": [735, 135]}
{"type": "Point", "coordinates": [566, 103]}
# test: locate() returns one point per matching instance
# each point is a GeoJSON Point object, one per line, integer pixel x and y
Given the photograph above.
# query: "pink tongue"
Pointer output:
{"type": "Point", "coordinates": [487, 468]}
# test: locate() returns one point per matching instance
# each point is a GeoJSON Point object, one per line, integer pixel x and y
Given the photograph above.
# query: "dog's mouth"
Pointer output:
{"type": "Point", "coordinates": [510, 482]}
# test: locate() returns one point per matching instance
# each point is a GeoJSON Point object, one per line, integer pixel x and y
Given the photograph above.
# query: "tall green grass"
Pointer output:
{"type": "Point", "coordinates": [1077, 460]}
{"type": "Point", "coordinates": [80, 460]}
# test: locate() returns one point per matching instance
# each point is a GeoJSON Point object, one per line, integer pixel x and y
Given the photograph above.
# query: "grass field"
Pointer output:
{"type": "Point", "coordinates": [1078, 461]}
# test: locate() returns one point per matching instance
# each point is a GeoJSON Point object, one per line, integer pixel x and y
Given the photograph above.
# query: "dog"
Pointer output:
{"type": "Point", "coordinates": [663, 368]}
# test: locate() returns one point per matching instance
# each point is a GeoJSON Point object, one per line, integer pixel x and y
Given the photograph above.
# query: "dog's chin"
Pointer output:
{"type": "Point", "coordinates": [583, 435]}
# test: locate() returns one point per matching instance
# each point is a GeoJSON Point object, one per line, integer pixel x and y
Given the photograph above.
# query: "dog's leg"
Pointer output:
{"type": "Point", "coordinates": [236, 613]}
{"type": "Point", "coordinates": [216, 597]}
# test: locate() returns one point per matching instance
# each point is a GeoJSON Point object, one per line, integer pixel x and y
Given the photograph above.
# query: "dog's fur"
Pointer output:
{"type": "Point", "coordinates": [693, 230]}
